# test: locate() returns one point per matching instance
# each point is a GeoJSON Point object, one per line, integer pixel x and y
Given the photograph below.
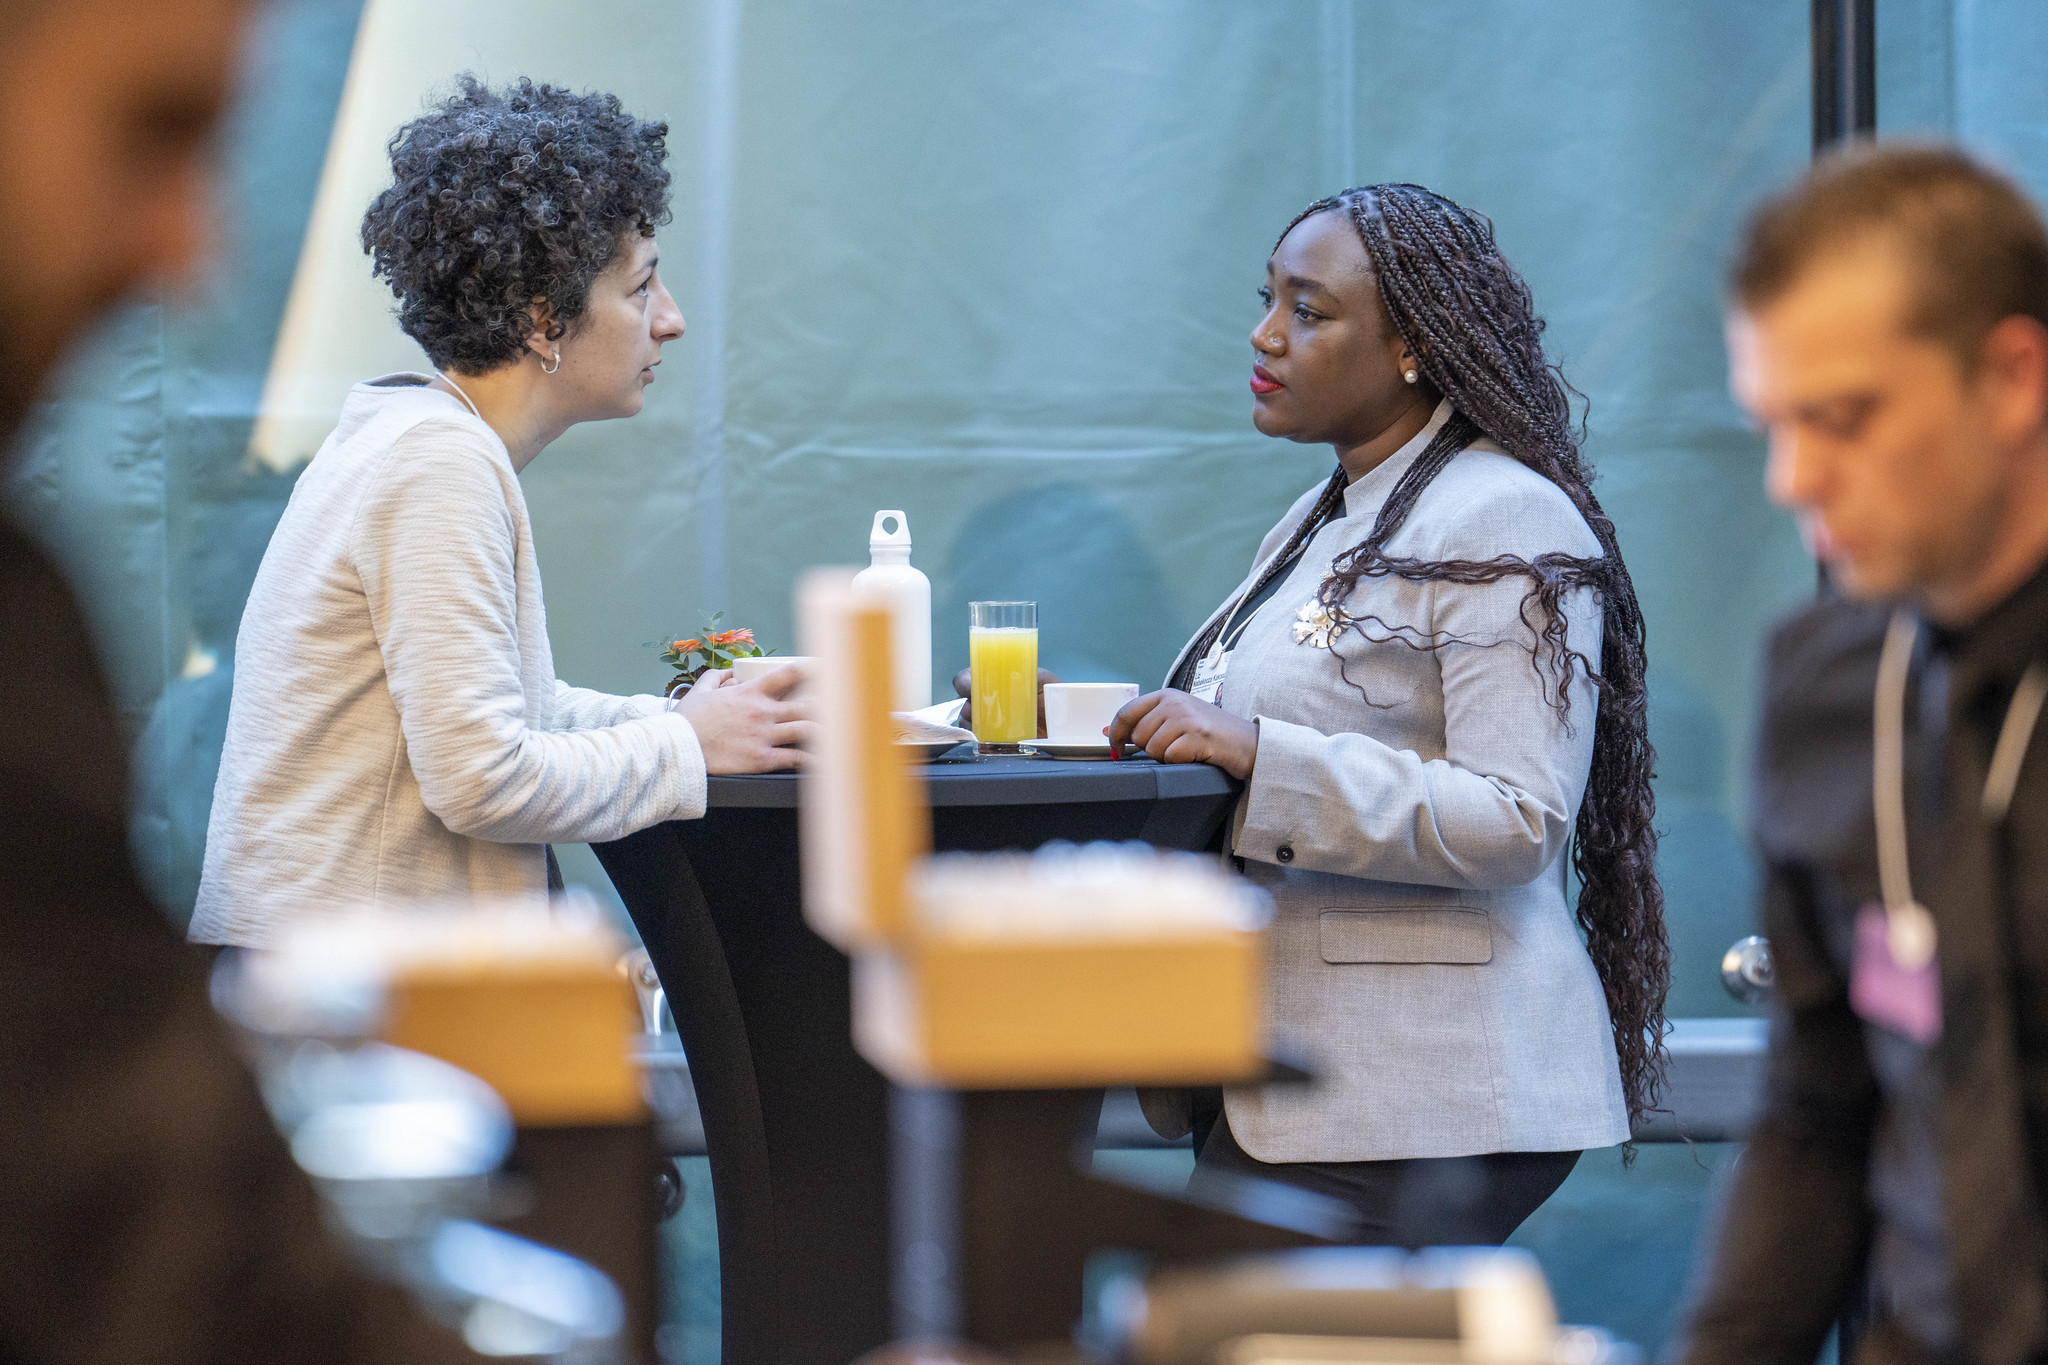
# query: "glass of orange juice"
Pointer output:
{"type": "Point", "coordinates": [1002, 656]}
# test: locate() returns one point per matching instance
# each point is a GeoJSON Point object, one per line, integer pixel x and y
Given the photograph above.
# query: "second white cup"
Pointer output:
{"type": "Point", "coordinates": [1078, 713]}
{"type": "Point", "coordinates": [749, 668]}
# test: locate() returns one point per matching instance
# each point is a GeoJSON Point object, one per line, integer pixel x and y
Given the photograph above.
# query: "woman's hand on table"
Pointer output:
{"type": "Point", "coordinates": [1174, 727]}
{"type": "Point", "coordinates": [751, 727]}
{"type": "Point", "coordinates": [963, 686]}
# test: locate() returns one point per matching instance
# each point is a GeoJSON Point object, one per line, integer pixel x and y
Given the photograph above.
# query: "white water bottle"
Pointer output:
{"type": "Point", "coordinates": [910, 592]}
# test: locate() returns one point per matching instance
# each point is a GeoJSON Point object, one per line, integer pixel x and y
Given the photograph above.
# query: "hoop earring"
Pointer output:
{"type": "Point", "coordinates": [546, 369]}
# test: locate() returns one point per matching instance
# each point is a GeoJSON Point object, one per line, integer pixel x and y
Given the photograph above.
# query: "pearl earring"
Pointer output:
{"type": "Point", "coordinates": [1408, 375]}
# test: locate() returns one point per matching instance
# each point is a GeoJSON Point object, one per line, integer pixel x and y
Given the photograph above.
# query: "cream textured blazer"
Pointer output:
{"type": "Point", "coordinates": [396, 729]}
{"type": "Point", "coordinates": [1411, 826]}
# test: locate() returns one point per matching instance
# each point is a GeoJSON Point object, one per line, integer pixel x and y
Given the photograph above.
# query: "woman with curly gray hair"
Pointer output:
{"type": "Point", "coordinates": [397, 730]}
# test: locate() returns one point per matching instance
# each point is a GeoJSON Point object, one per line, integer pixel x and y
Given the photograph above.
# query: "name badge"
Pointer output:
{"type": "Point", "coordinates": [1885, 992]}
{"type": "Point", "coordinates": [1208, 685]}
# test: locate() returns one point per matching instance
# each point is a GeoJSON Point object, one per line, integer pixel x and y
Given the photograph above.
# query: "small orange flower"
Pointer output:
{"type": "Point", "coordinates": [733, 637]}
{"type": "Point", "coordinates": [686, 646]}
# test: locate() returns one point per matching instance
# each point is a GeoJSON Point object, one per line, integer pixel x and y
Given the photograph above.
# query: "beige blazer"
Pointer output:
{"type": "Point", "coordinates": [1411, 826]}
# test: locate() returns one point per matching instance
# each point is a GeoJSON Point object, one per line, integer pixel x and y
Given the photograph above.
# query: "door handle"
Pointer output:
{"type": "Point", "coordinates": [1746, 970]}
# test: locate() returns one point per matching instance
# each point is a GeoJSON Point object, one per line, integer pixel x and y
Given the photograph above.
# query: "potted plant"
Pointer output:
{"type": "Point", "coordinates": [711, 648]}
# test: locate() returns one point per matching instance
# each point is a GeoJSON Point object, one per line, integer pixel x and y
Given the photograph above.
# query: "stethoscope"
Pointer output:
{"type": "Point", "coordinates": [1909, 929]}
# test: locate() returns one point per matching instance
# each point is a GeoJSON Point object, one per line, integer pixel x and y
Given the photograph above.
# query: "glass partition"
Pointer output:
{"type": "Point", "coordinates": [995, 266]}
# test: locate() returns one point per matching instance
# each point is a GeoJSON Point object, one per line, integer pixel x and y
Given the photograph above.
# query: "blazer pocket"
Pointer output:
{"type": "Point", "coordinates": [1407, 933]}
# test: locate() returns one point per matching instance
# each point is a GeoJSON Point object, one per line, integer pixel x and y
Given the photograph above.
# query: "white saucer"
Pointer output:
{"type": "Point", "coordinates": [934, 750]}
{"type": "Point", "coordinates": [1068, 751]}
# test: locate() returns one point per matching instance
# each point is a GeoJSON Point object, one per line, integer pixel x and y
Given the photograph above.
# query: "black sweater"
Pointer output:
{"type": "Point", "coordinates": [1925, 1164]}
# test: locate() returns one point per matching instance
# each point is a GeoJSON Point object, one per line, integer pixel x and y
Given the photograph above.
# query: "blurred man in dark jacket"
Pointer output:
{"type": "Point", "coordinates": [148, 1210]}
{"type": "Point", "coordinates": [1890, 328]}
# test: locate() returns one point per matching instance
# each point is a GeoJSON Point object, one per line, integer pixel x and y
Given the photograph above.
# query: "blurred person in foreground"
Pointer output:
{"type": "Point", "coordinates": [149, 1212]}
{"type": "Point", "coordinates": [1889, 327]}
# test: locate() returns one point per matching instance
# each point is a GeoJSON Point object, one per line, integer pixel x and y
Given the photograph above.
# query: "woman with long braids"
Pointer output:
{"type": "Point", "coordinates": [1432, 685]}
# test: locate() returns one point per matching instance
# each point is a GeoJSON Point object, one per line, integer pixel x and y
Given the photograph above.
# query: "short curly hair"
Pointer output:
{"type": "Point", "coordinates": [503, 197]}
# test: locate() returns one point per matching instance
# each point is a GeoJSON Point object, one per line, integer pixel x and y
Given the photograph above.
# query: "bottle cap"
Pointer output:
{"type": "Point", "coordinates": [895, 536]}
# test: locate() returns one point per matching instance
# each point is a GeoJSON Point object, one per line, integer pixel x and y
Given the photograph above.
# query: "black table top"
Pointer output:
{"type": "Point", "coordinates": [1010, 780]}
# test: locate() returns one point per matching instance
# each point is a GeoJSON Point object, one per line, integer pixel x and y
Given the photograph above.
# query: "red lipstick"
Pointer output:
{"type": "Point", "coordinates": [1263, 380]}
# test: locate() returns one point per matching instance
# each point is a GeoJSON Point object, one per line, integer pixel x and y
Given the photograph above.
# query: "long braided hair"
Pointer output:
{"type": "Point", "coordinates": [1467, 317]}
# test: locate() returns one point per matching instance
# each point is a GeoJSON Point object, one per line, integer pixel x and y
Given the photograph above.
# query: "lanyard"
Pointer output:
{"type": "Point", "coordinates": [1268, 583]}
{"type": "Point", "coordinates": [466, 402]}
{"type": "Point", "coordinates": [1207, 682]}
{"type": "Point", "coordinates": [1234, 629]}
{"type": "Point", "coordinates": [1909, 929]}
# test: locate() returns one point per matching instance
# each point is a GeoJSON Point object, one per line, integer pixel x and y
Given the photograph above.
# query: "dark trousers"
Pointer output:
{"type": "Point", "coordinates": [1416, 1202]}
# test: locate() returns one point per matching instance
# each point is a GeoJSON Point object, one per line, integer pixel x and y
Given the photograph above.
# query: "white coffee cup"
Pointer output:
{"type": "Point", "coordinates": [747, 669]}
{"type": "Point", "coordinates": [1078, 713]}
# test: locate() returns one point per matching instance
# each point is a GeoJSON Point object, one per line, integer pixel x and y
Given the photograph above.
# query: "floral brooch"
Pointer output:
{"type": "Point", "coordinates": [1312, 625]}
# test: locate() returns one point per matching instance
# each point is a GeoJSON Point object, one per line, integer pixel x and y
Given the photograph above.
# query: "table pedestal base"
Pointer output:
{"type": "Point", "coordinates": [796, 1123]}
{"type": "Point", "coordinates": [997, 1214]}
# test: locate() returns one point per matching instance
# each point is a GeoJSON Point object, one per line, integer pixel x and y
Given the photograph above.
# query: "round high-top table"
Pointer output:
{"type": "Point", "coordinates": [795, 1121]}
